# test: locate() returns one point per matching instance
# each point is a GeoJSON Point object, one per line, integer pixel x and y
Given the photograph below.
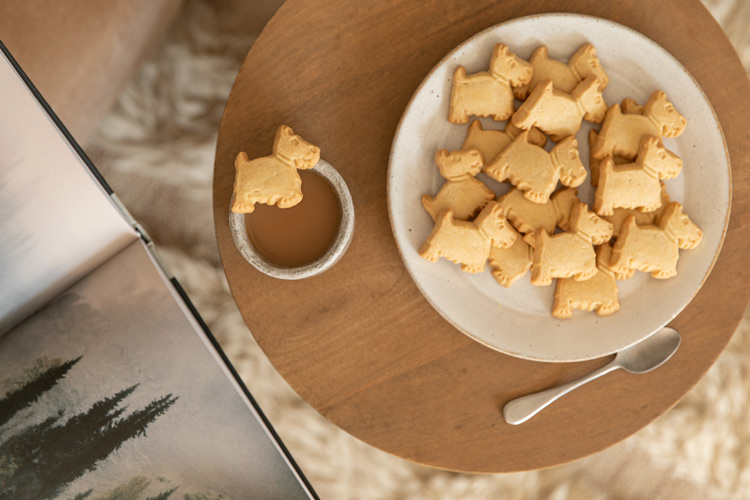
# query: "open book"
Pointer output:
{"type": "Point", "coordinates": [111, 386]}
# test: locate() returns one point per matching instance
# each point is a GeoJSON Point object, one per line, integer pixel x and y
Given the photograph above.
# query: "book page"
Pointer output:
{"type": "Point", "coordinates": [56, 220]}
{"type": "Point", "coordinates": [110, 392]}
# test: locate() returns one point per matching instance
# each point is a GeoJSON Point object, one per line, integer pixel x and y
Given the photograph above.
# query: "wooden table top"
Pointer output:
{"type": "Point", "coordinates": [359, 342]}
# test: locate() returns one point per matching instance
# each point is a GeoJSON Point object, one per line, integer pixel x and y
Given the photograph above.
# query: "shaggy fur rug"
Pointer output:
{"type": "Point", "coordinates": [156, 149]}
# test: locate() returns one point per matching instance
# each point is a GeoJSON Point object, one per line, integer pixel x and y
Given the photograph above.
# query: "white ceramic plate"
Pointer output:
{"type": "Point", "coordinates": [517, 320]}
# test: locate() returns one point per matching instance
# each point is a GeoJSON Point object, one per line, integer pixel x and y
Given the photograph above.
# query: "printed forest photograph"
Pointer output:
{"type": "Point", "coordinates": [40, 460]}
{"type": "Point", "coordinates": [109, 392]}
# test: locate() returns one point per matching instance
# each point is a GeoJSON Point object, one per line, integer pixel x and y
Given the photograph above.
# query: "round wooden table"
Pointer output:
{"type": "Point", "coordinates": [359, 342]}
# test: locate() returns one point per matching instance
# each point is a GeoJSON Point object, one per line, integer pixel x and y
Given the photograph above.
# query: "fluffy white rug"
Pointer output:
{"type": "Point", "coordinates": [156, 148]}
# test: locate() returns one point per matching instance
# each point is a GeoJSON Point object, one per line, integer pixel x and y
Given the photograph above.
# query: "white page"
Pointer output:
{"type": "Point", "coordinates": [56, 220]}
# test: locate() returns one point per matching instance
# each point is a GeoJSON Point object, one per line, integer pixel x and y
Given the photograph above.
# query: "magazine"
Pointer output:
{"type": "Point", "coordinates": [111, 386]}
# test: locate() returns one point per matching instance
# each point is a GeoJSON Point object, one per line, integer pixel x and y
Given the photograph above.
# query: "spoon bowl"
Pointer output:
{"type": "Point", "coordinates": [650, 353]}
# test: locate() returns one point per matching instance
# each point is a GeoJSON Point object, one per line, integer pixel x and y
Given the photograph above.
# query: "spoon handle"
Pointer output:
{"type": "Point", "coordinates": [519, 410]}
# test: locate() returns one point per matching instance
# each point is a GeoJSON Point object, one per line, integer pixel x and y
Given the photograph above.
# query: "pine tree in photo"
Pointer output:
{"type": "Point", "coordinates": [78, 430]}
{"type": "Point", "coordinates": [46, 457]}
{"type": "Point", "coordinates": [66, 465]}
{"type": "Point", "coordinates": [45, 445]}
{"type": "Point", "coordinates": [26, 445]}
{"type": "Point", "coordinates": [163, 495]}
{"type": "Point", "coordinates": [20, 398]}
{"type": "Point", "coordinates": [82, 496]}
{"type": "Point", "coordinates": [45, 448]}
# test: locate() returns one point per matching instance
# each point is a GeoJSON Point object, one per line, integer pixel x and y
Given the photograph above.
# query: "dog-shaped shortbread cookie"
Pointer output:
{"type": "Point", "coordinates": [598, 292]}
{"type": "Point", "coordinates": [488, 93]}
{"type": "Point", "coordinates": [630, 106]}
{"type": "Point", "coordinates": [595, 162]}
{"type": "Point", "coordinates": [641, 218]}
{"type": "Point", "coordinates": [621, 131]}
{"type": "Point", "coordinates": [564, 77]}
{"type": "Point", "coordinates": [535, 171]}
{"type": "Point", "coordinates": [464, 194]}
{"type": "Point", "coordinates": [511, 263]}
{"type": "Point", "coordinates": [527, 216]}
{"type": "Point", "coordinates": [655, 248]}
{"type": "Point", "coordinates": [569, 254]}
{"type": "Point", "coordinates": [273, 180]}
{"type": "Point", "coordinates": [560, 114]}
{"type": "Point", "coordinates": [638, 184]}
{"type": "Point", "coordinates": [468, 243]}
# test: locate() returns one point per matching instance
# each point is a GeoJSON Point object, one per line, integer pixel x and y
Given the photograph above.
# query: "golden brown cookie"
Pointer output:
{"type": "Point", "coordinates": [462, 193]}
{"type": "Point", "coordinates": [527, 216]}
{"type": "Point", "coordinates": [595, 162]}
{"type": "Point", "coordinates": [638, 184]}
{"type": "Point", "coordinates": [564, 77]}
{"type": "Point", "coordinates": [599, 292]}
{"type": "Point", "coordinates": [468, 243]}
{"type": "Point", "coordinates": [631, 107]}
{"type": "Point", "coordinates": [511, 263]}
{"type": "Point", "coordinates": [569, 254]}
{"type": "Point", "coordinates": [273, 179]}
{"type": "Point", "coordinates": [535, 171]}
{"type": "Point", "coordinates": [559, 114]}
{"type": "Point", "coordinates": [655, 248]}
{"type": "Point", "coordinates": [621, 133]}
{"type": "Point", "coordinates": [488, 93]}
{"type": "Point", "coordinates": [641, 218]}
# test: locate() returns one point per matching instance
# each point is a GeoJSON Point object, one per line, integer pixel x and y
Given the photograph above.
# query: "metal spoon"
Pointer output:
{"type": "Point", "coordinates": [639, 358]}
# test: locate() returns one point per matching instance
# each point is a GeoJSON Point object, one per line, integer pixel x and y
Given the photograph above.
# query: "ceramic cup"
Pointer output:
{"type": "Point", "coordinates": [334, 253]}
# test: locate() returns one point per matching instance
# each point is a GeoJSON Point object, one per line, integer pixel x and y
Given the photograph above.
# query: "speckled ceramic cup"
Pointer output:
{"type": "Point", "coordinates": [334, 253]}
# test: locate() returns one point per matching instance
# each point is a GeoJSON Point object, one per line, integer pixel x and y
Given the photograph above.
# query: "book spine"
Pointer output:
{"type": "Point", "coordinates": [142, 233]}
